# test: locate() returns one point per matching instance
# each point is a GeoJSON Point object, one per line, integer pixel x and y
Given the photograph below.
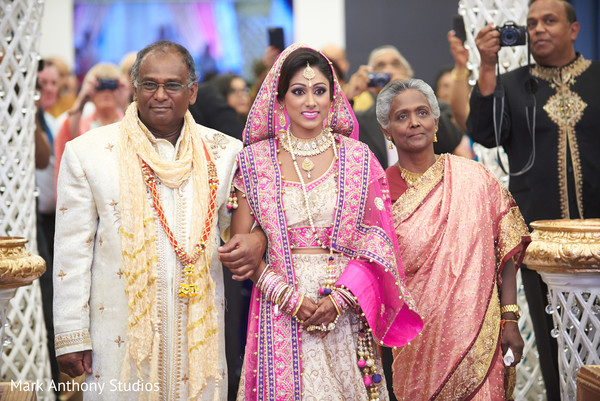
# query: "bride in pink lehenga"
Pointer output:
{"type": "Point", "coordinates": [332, 285]}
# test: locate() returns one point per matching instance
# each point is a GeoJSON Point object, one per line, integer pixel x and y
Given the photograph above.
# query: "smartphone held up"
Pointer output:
{"type": "Point", "coordinates": [276, 38]}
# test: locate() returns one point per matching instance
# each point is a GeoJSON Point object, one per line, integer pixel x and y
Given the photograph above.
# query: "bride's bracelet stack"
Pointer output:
{"type": "Point", "coordinates": [275, 289]}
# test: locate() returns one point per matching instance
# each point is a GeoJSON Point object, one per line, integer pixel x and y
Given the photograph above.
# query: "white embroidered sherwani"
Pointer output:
{"type": "Point", "coordinates": [90, 304]}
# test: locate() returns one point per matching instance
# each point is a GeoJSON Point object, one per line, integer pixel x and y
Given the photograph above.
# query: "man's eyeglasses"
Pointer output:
{"type": "Point", "coordinates": [170, 87]}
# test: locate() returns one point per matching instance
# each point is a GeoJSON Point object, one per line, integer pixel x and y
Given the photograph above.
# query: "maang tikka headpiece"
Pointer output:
{"type": "Point", "coordinates": [308, 73]}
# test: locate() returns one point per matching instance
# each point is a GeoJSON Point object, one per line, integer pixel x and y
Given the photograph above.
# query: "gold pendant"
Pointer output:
{"type": "Point", "coordinates": [307, 165]}
{"type": "Point", "coordinates": [188, 290]}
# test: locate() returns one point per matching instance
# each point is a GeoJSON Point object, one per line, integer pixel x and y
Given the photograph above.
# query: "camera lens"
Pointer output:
{"type": "Point", "coordinates": [509, 36]}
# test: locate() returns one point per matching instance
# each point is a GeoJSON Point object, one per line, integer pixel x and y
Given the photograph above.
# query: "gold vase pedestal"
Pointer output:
{"type": "Point", "coordinates": [18, 267]}
{"type": "Point", "coordinates": [566, 253]}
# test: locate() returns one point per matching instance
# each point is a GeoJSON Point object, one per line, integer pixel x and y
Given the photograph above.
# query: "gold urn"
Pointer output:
{"type": "Point", "coordinates": [18, 267]}
{"type": "Point", "coordinates": [564, 246]}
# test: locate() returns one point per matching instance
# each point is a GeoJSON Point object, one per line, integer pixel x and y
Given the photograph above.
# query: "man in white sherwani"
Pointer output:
{"type": "Point", "coordinates": [138, 292]}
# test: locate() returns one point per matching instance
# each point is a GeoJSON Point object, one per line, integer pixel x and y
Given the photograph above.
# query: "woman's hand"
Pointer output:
{"type": "Point", "coordinates": [307, 309]}
{"type": "Point", "coordinates": [325, 314]}
{"type": "Point", "coordinates": [511, 338]}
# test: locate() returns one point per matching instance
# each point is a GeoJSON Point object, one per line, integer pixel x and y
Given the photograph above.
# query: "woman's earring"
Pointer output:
{"type": "Point", "coordinates": [282, 120]}
{"type": "Point", "coordinates": [435, 136]}
{"type": "Point", "coordinates": [390, 145]}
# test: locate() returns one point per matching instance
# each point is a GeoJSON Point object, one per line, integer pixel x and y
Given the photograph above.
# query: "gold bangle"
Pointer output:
{"type": "Point", "coordinates": [298, 307]}
{"type": "Point", "coordinates": [514, 308]}
{"type": "Point", "coordinates": [335, 305]}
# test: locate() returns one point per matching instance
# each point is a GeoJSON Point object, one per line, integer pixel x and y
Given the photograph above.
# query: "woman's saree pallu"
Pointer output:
{"type": "Point", "coordinates": [362, 230]}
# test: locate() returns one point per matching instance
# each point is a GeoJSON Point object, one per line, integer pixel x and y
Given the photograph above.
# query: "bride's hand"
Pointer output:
{"type": "Point", "coordinates": [325, 314]}
{"type": "Point", "coordinates": [306, 310]}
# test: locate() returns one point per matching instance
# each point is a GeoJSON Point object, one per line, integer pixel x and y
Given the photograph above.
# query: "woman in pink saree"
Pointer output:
{"type": "Point", "coordinates": [461, 237]}
{"type": "Point", "coordinates": [332, 287]}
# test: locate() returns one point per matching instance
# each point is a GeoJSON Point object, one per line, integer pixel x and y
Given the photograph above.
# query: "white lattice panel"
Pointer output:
{"type": "Point", "coordinates": [26, 356]}
{"type": "Point", "coordinates": [476, 14]}
{"type": "Point", "coordinates": [576, 316]}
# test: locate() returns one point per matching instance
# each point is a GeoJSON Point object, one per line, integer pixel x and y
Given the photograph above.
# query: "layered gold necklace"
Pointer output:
{"type": "Point", "coordinates": [307, 147]}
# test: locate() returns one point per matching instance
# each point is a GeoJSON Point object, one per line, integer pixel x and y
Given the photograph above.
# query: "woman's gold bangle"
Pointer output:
{"type": "Point", "coordinates": [299, 305]}
{"type": "Point", "coordinates": [335, 305]}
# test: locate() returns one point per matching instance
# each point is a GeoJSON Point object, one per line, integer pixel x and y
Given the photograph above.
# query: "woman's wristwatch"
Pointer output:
{"type": "Point", "coordinates": [514, 308]}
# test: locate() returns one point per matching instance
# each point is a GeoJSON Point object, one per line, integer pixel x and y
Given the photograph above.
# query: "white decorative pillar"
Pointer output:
{"type": "Point", "coordinates": [566, 253]}
{"type": "Point", "coordinates": [26, 357]}
{"type": "Point", "coordinates": [476, 14]}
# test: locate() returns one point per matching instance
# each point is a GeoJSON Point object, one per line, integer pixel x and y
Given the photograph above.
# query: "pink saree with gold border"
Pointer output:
{"type": "Point", "coordinates": [456, 229]}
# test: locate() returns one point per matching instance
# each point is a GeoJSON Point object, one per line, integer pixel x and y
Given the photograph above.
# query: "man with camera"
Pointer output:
{"type": "Point", "coordinates": [547, 121]}
{"type": "Point", "coordinates": [387, 64]}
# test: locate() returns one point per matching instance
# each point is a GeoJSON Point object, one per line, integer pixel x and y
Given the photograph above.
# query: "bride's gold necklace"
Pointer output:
{"type": "Point", "coordinates": [306, 147]}
{"type": "Point", "coordinates": [410, 177]}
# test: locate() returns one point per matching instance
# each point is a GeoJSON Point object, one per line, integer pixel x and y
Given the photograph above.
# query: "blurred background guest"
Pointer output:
{"type": "Point", "coordinates": [103, 86]}
{"type": "Point", "coordinates": [235, 90]}
{"type": "Point", "coordinates": [125, 66]}
{"type": "Point", "coordinates": [67, 86]}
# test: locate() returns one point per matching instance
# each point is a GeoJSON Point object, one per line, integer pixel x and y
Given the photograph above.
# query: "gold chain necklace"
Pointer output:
{"type": "Point", "coordinates": [307, 147]}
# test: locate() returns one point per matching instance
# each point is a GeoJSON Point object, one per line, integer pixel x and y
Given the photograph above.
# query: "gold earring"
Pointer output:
{"type": "Point", "coordinates": [435, 136]}
{"type": "Point", "coordinates": [390, 146]}
{"type": "Point", "coordinates": [282, 120]}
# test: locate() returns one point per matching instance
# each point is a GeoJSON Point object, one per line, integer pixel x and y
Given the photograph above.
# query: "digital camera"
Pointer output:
{"type": "Point", "coordinates": [378, 79]}
{"type": "Point", "coordinates": [512, 34]}
{"type": "Point", "coordinates": [107, 84]}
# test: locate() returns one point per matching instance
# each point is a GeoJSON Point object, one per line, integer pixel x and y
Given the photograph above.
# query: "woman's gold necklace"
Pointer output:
{"type": "Point", "coordinates": [306, 147]}
{"type": "Point", "coordinates": [410, 177]}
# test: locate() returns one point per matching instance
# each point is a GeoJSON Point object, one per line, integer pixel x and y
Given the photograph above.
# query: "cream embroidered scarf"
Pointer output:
{"type": "Point", "coordinates": [139, 252]}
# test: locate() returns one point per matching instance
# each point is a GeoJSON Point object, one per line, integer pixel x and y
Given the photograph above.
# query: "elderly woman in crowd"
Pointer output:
{"type": "Point", "coordinates": [461, 237]}
{"type": "Point", "coordinates": [105, 87]}
{"type": "Point", "coordinates": [333, 286]}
